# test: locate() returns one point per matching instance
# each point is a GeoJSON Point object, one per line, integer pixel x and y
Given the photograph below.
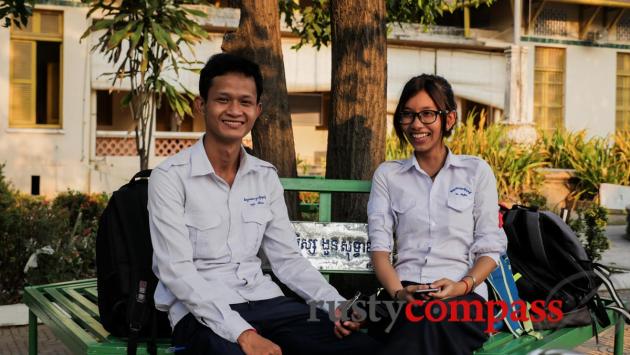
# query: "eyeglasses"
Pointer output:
{"type": "Point", "coordinates": [425, 116]}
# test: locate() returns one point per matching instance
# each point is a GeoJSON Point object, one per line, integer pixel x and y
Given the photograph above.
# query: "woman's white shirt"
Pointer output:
{"type": "Point", "coordinates": [441, 227]}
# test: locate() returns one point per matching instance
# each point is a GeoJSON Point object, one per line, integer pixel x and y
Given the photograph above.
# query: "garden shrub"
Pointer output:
{"type": "Point", "coordinates": [595, 161]}
{"type": "Point", "coordinates": [75, 245]}
{"type": "Point", "coordinates": [67, 225]}
{"type": "Point", "coordinates": [589, 225]}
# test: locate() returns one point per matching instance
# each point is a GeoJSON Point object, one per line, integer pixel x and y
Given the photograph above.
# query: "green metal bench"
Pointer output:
{"type": "Point", "coordinates": [70, 308]}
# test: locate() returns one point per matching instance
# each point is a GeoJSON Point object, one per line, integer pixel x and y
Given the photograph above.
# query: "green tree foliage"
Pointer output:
{"type": "Point", "coordinates": [144, 39]}
{"type": "Point", "coordinates": [16, 12]}
{"type": "Point", "coordinates": [312, 22]}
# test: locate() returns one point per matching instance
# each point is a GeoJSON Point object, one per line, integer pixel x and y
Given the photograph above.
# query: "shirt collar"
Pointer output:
{"type": "Point", "coordinates": [451, 159]}
{"type": "Point", "coordinates": [247, 163]}
{"type": "Point", "coordinates": [200, 164]}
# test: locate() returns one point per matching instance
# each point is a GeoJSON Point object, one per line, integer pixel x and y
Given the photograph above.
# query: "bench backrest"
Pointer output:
{"type": "Point", "coordinates": [332, 247]}
{"type": "Point", "coordinates": [325, 187]}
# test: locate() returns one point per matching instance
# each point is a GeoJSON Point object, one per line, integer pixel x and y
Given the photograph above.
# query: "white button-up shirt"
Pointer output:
{"type": "Point", "coordinates": [206, 237]}
{"type": "Point", "coordinates": [442, 227]}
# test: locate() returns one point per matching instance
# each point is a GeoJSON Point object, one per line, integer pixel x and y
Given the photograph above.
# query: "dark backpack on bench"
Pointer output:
{"type": "Point", "coordinates": [125, 280]}
{"type": "Point", "coordinates": [555, 266]}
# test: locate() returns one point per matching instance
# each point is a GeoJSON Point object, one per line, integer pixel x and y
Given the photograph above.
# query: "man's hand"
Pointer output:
{"type": "Point", "coordinates": [252, 343]}
{"type": "Point", "coordinates": [343, 329]}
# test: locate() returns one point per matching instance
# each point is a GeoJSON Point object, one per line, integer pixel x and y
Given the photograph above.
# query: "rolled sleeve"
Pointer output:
{"type": "Point", "coordinates": [489, 238]}
{"type": "Point", "coordinates": [380, 214]}
{"type": "Point", "coordinates": [280, 246]}
{"type": "Point", "coordinates": [173, 259]}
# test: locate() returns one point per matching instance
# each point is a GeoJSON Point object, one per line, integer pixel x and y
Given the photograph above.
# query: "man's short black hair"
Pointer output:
{"type": "Point", "coordinates": [223, 63]}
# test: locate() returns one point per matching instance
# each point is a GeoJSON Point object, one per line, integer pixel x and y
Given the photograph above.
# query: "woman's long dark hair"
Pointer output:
{"type": "Point", "coordinates": [438, 89]}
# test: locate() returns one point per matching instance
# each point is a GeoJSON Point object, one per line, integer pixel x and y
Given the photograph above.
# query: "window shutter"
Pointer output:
{"type": "Point", "coordinates": [22, 86]}
{"type": "Point", "coordinates": [622, 119]}
{"type": "Point", "coordinates": [549, 88]}
{"type": "Point", "coordinates": [50, 23]}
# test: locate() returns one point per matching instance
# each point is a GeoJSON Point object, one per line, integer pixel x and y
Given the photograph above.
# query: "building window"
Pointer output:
{"type": "Point", "coordinates": [167, 120]}
{"type": "Point", "coordinates": [35, 71]}
{"type": "Point", "coordinates": [622, 117]}
{"type": "Point", "coordinates": [111, 115]}
{"type": "Point", "coordinates": [549, 88]}
{"type": "Point", "coordinates": [309, 109]}
{"type": "Point", "coordinates": [623, 28]}
{"type": "Point", "coordinates": [551, 22]}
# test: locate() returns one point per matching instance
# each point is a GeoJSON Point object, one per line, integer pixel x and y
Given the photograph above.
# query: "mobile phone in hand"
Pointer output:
{"type": "Point", "coordinates": [346, 309]}
{"type": "Point", "coordinates": [418, 293]}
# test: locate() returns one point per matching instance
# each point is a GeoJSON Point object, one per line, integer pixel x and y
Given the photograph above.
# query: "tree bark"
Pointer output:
{"type": "Point", "coordinates": [357, 129]}
{"type": "Point", "coordinates": [258, 39]}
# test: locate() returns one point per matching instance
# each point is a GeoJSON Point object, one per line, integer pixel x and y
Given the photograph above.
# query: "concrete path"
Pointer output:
{"type": "Point", "coordinates": [14, 341]}
{"type": "Point", "coordinates": [619, 253]}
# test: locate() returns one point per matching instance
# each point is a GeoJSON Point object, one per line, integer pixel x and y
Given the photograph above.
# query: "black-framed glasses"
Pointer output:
{"type": "Point", "coordinates": [425, 116]}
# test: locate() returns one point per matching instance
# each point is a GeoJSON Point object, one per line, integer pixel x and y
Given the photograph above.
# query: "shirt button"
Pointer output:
{"type": "Point", "coordinates": [245, 280]}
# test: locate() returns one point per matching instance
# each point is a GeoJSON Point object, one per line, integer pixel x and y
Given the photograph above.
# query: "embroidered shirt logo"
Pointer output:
{"type": "Point", "coordinates": [257, 200]}
{"type": "Point", "coordinates": [460, 191]}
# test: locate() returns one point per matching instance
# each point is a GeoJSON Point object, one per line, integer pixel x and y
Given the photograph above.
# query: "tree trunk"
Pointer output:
{"type": "Point", "coordinates": [356, 131]}
{"type": "Point", "coordinates": [258, 39]}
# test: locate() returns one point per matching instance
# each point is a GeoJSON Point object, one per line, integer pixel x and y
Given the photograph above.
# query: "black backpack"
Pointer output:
{"type": "Point", "coordinates": [125, 280]}
{"type": "Point", "coordinates": [555, 266]}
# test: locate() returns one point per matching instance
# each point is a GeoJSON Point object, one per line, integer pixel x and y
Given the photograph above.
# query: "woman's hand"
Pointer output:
{"type": "Point", "coordinates": [448, 288]}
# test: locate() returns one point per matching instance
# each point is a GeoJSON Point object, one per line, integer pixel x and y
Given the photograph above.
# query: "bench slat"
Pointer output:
{"type": "Point", "coordinates": [65, 328]}
{"type": "Point", "coordinates": [114, 346]}
{"type": "Point", "coordinates": [79, 314]}
{"type": "Point", "coordinates": [92, 291]}
{"type": "Point", "coordinates": [88, 305]}
{"type": "Point", "coordinates": [496, 341]}
{"type": "Point", "coordinates": [325, 185]}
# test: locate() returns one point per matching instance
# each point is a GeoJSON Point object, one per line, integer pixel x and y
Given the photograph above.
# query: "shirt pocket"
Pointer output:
{"type": "Point", "coordinates": [460, 212]}
{"type": "Point", "coordinates": [402, 217]}
{"type": "Point", "coordinates": [255, 221]}
{"type": "Point", "coordinates": [207, 238]}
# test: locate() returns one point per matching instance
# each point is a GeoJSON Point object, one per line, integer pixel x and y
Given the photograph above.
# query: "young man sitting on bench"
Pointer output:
{"type": "Point", "coordinates": [211, 208]}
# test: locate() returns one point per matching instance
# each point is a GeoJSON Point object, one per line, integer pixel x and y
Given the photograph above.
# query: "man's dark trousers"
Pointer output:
{"type": "Point", "coordinates": [282, 320]}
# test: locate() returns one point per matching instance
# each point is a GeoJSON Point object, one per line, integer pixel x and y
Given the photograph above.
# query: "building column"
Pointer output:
{"type": "Point", "coordinates": [521, 127]}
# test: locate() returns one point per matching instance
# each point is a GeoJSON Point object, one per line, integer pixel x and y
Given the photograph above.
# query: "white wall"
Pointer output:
{"type": "Point", "coordinates": [590, 86]}
{"type": "Point", "coordinates": [58, 156]}
{"type": "Point", "coordinates": [474, 75]}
